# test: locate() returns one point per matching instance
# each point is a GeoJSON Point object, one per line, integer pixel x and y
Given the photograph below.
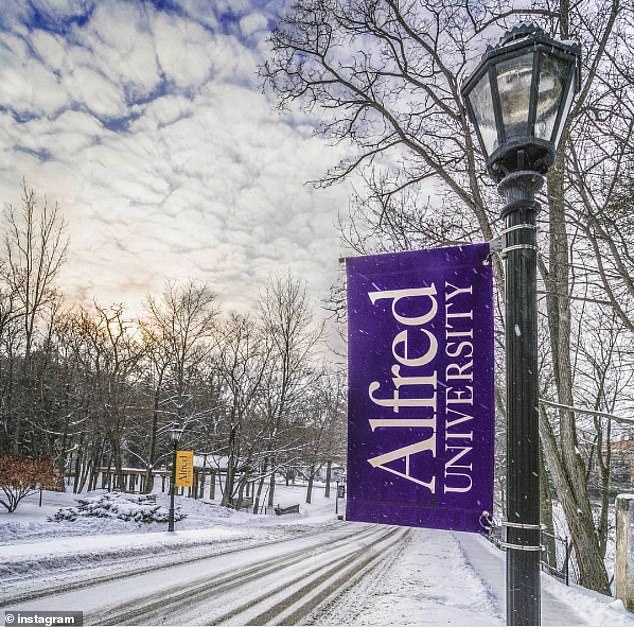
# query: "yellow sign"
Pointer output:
{"type": "Point", "coordinates": [184, 469]}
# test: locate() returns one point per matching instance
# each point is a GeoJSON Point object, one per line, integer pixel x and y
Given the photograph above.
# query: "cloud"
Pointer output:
{"type": "Point", "coordinates": [149, 129]}
{"type": "Point", "coordinates": [253, 23]}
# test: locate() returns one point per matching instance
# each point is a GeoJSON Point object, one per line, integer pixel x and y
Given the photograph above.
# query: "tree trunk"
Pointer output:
{"type": "Point", "coordinates": [603, 462]}
{"type": "Point", "coordinates": [105, 479]}
{"type": "Point", "coordinates": [592, 571]}
{"type": "Point", "coordinates": [241, 487]}
{"type": "Point", "coordinates": [231, 462]}
{"type": "Point", "coordinates": [77, 472]}
{"type": "Point", "coordinates": [271, 500]}
{"type": "Point", "coordinates": [258, 495]}
{"type": "Point", "coordinates": [569, 478]}
{"type": "Point", "coordinates": [118, 463]}
{"type": "Point", "coordinates": [309, 489]}
{"type": "Point", "coordinates": [85, 471]}
{"type": "Point", "coordinates": [546, 515]}
{"type": "Point", "coordinates": [97, 459]}
{"type": "Point", "coordinates": [27, 396]}
{"type": "Point", "coordinates": [328, 479]}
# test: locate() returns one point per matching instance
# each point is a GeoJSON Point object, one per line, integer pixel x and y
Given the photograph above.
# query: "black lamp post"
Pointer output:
{"type": "Point", "coordinates": [518, 99]}
{"type": "Point", "coordinates": [175, 434]}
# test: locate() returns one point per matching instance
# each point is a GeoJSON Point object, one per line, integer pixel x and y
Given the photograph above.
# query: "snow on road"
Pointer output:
{"type": "Point", "coordinates": [427, 581]}
{"type": "Point", "coordinates": [236, 568]}
{"type": "Point", "coordinates": [270, 582]}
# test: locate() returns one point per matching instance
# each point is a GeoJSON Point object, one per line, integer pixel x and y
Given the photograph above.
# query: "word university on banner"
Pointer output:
{"type": "Point", "coordinates": [421, 399]}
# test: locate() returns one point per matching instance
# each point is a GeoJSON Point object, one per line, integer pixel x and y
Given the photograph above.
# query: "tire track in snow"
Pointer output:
{"type": "Point", "coordinates": [172, 606]}
{"type": "Point", "coordinates": [353, 594]}
{"type": "Point", "coordinates": [295, 609]}
{"type": "Point", "coordinates": [299, 597]}
{"type": "Point", "coordinates": [120, 570]}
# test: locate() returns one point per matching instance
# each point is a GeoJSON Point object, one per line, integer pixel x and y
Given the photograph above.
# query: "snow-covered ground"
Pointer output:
{"type": "Point", "coordinates": [360, 574]}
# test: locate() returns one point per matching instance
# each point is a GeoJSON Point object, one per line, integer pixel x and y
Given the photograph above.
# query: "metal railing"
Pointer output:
{"type": "Point", "coordinates": [556, 557]}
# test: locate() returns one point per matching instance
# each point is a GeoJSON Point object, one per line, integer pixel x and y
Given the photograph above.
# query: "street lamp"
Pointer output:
{"type": "Point", "coordinates": [518, 99]}
{"type": "Point", "coordinates": [176, 431]}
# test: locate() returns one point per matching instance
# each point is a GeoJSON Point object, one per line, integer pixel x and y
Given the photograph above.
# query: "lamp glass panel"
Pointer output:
{"type": "Point", "coordinates": [514, 77]}
{"type": "Point", "coordinates": [553, 77]}
{"type": "Point", "coordinates": [482, 104]}
{"type": "Point", "coordinates": [569, 98]}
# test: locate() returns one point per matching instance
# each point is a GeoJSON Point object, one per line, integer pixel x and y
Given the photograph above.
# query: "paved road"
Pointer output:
{"type": "Point", "coordinates": [279, 584]}
{"type": "Point", "coordinates": [294, 582]}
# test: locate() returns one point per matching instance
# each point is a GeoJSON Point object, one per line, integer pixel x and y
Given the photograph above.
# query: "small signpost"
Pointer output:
{"type": "Point", "coordinates": [421, 396]}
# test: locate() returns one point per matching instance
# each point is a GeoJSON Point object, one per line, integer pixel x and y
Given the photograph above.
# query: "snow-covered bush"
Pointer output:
{"type": "Point", "coordinates": [128, 507]}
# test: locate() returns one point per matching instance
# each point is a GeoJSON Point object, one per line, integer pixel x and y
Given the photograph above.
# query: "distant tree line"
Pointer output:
{"type": "Point", "coordinates": [91, 388]}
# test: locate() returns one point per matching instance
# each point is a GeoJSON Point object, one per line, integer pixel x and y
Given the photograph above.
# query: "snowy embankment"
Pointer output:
{"type": "Point", "coordinates": [429, 577]}
{"type": "Point", "coordinates": [35, 549]}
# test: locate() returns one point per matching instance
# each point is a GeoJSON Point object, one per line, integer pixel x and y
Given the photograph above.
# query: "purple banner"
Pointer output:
{"type": "Point", "coordinates": [421, 405]}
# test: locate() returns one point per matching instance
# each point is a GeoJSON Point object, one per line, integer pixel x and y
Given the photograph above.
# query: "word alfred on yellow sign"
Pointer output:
{"type": "Point", "coordinates": [184, 469]}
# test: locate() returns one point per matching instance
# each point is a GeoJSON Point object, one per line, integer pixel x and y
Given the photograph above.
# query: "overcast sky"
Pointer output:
{"type": "Point", "coordinates": [145, 121]}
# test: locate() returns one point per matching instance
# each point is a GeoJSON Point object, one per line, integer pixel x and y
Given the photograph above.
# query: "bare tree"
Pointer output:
{"type": "Point", "coordinates": [288, 324]}
{"type": "Point", "coordinates": [109, 355]}
{"type": "Point", "coordinates": [156, 364]}
{"type": "Point", "coordinates": [178, 335]}
{"type": "Point", "coordinates": [384, 75]}
{"type": "Point", "coordinates": [242, 362]}
{"type": "Point", "coordinates": [601, 41]}
{"type": "Point", "coordinates": [8, 299]}
{"type": "Point", "coordinates": [323, 425]}
{"type": "Point", "coordinates": [35, 248]}
{"type": "Point", "coordinates": [183, 319]}
{"type": "Point", "coordinates": [606, 373]}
